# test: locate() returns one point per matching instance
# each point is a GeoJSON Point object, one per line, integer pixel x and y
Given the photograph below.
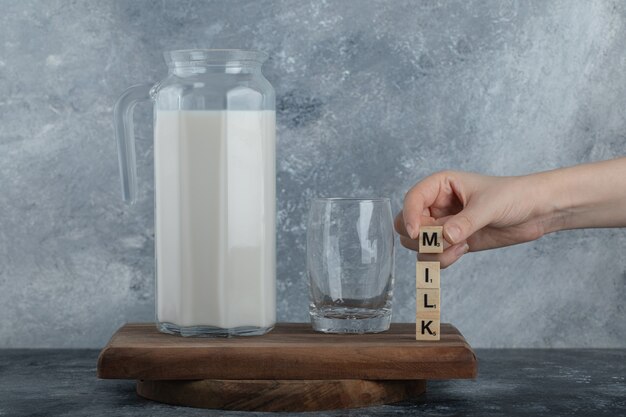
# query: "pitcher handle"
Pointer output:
{"type": "Point", "coordinates": [125, 137]}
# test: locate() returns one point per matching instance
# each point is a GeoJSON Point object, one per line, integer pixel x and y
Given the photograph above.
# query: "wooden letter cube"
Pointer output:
{"type": "Point", "coordinates": [427, 329]}
{"type": "Point", "coordinates": [427, 274]}
{"type": "Point", "coordinates": [430, 239]}
{"type": "Point", "coordinates": [427, 301]}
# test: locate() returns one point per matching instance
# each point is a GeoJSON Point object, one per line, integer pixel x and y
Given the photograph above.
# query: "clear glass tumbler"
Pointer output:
{"type": "Point", "coordinates": [350, 264]}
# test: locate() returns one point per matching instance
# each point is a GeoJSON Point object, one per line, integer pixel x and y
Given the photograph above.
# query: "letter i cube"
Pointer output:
{"type": "Point", "coordinates": [428, 311]}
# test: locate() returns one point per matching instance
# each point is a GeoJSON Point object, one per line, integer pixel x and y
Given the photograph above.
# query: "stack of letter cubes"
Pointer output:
{"type": "Point", "coordinates": [428, 314]}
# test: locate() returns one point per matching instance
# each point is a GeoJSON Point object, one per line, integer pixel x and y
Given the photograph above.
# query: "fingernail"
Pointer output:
{"type": "Point", "coordinates": [462, 250]}
{"type": "Point", "coordinates": [454, 233]}
{"type": "Point", "coordinates": [411, 231]}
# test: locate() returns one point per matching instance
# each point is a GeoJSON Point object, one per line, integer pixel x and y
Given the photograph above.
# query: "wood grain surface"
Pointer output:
{"type": "Point", "coordinates": [284, 395]}
{"type": "Point", "coordinates": [292, 351]}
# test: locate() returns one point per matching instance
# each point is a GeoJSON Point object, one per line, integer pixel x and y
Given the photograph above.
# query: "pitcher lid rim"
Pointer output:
{"type": "Point", "coordinates": [213, 56]}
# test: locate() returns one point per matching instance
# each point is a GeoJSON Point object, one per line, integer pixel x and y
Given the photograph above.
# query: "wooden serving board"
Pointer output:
{"type": "Point", "coordinates": [292, 368]}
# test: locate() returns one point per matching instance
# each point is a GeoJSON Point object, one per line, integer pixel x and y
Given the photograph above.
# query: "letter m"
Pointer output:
{"type": "Point", "coordinates": [429, 240]}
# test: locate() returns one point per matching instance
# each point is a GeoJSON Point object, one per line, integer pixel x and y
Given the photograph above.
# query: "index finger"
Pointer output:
{"type": "Point", "coordinates": [421, 196]}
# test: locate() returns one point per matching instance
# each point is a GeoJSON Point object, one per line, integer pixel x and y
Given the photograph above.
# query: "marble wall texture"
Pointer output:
{"type": "Point", "coordinates": [371, 97]}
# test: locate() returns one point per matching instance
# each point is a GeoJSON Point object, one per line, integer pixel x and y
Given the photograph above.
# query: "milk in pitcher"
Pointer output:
{"type": "Point", "coordinates": [215, 225]}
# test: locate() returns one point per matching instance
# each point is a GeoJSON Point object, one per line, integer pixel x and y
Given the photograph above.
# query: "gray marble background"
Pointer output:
{"type": "Point", "coordinates": [372, 96]}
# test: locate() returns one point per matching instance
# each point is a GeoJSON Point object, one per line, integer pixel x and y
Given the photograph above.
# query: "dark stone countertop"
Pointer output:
{"type": "Point", "coordinates": [511, 382]}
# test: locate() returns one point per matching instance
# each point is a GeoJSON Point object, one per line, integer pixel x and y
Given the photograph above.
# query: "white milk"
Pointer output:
{"type": "Point", "coordinates": [215, 218]}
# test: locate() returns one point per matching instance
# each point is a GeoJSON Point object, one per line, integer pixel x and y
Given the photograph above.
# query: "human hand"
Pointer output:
{"type": "Point", "coordinates": [477, 212]}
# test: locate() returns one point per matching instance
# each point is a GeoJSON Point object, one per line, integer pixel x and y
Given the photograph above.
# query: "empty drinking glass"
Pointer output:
{"type": "Point", "coordinates": [350, 264]}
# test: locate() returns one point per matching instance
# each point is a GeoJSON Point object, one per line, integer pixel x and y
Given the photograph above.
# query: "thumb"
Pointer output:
{"type": "Point", "coordinates": [464, 224]}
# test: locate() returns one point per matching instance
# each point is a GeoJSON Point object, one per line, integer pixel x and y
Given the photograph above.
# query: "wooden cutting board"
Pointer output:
{"type": "Point", "coordinates": [292, 368]}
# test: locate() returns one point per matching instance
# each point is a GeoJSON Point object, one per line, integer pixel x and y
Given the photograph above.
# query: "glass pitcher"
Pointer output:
{"type": "Point", "coordinates": [214, 166]}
